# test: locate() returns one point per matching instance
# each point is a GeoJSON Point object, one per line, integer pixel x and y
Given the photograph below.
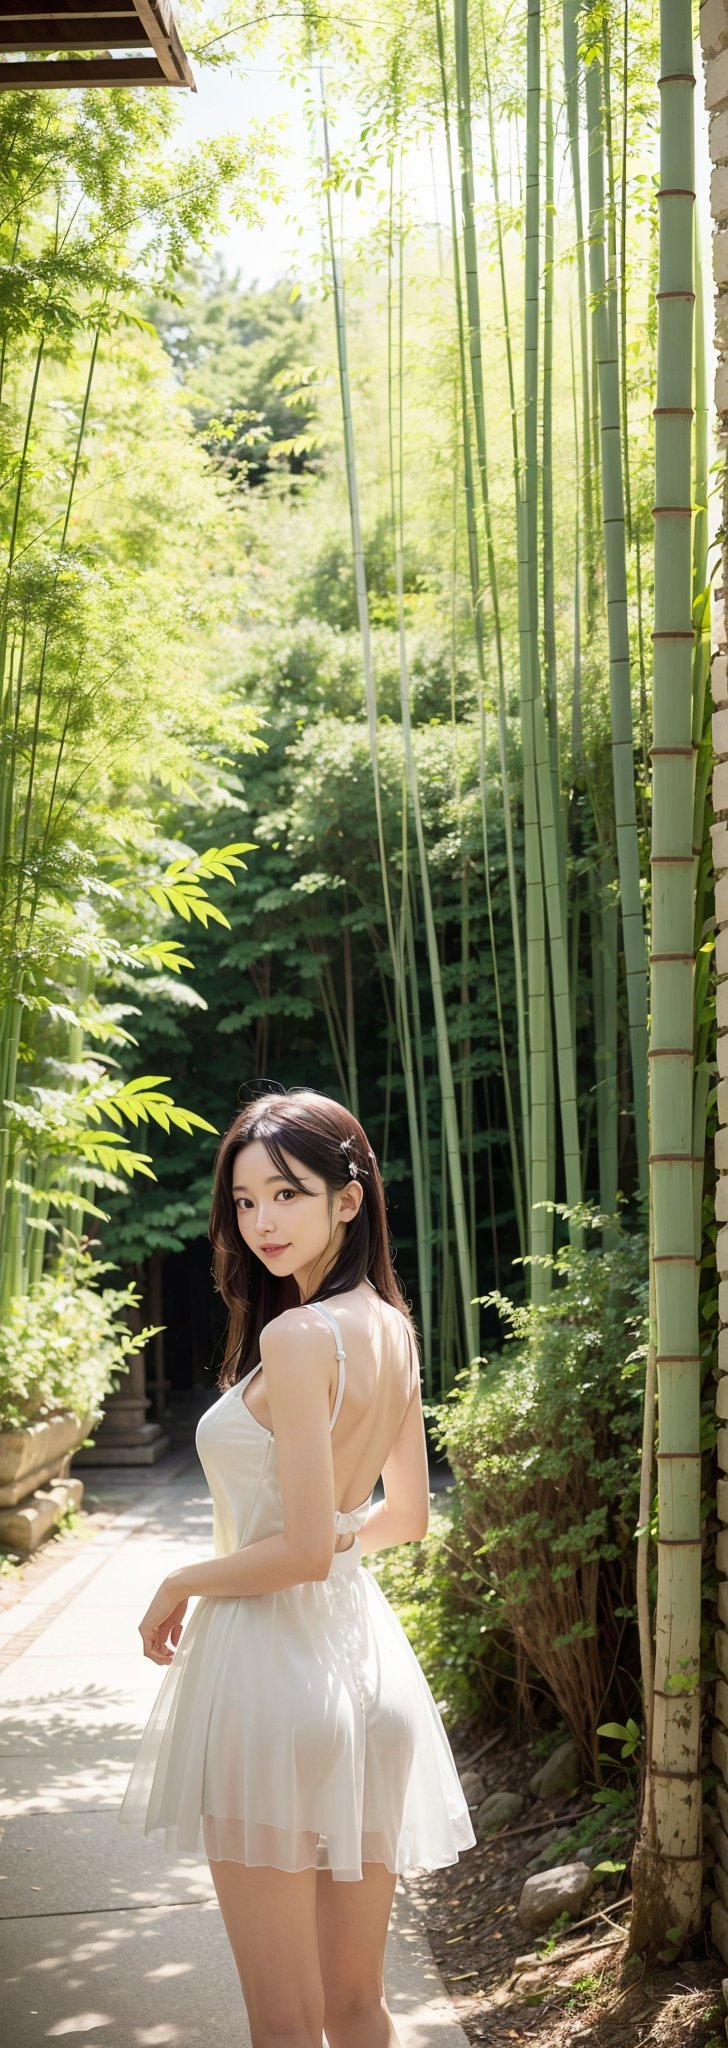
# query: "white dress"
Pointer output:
{"type": "Point", "coordinates": [294, 1729]}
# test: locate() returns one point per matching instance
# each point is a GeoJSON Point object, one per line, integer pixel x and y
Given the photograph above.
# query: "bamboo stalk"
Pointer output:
{"type": "Point", "coordinates": [401, 1014]}
{"type": "Point", "coordinates": [667, 1866]}
{"type": "Point", "coordinates": [605, 328]}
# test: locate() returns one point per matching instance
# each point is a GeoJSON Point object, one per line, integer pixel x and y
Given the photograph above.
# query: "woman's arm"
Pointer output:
{"type": "Point", "coordinates": [267, 1566]}
{"type": "Point", "coordinates": [384, 1528]}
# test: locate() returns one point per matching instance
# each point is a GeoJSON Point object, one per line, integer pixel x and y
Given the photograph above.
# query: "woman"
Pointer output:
{"type": "Point", "coordinates": [295, 1726]}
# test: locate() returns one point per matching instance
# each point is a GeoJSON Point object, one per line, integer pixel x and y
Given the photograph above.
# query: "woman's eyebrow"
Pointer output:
{"type": "Point", "coordinates": [239, 1187]}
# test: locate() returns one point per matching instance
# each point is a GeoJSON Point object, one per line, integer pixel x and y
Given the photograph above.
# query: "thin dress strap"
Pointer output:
{"type": "Point", "coordinates": [328, 1314]}
{"type": "Point", "coordinates": [415, 1358]}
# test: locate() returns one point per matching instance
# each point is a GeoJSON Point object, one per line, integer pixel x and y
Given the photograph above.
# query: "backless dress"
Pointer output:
{"type": "Point", "coordinates": [294, 1729]}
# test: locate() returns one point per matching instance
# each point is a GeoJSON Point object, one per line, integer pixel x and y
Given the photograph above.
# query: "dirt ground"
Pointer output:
{"type": "Point", "coordinates": [577, 1989]}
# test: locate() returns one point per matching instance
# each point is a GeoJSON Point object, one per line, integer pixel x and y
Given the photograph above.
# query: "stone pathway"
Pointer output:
{"type": "Point", "coordinates": [103, 1935]}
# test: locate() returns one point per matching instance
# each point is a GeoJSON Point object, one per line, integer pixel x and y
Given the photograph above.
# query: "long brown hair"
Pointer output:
{"type": "Point", "coordinates": [325, 1137]}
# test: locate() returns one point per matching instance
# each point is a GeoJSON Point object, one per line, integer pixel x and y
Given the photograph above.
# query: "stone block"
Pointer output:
{"type": "Point", "coordinates": [719, 1750]}
{"type": "Point", "coordinates": [719, 843]}
{"type": "Point", "coordinates": [719, 667]}
{"type": "Point", "coordinates": [720, 1145]}
{"type": "Point", "coordinates": [721, 1658]}
{"type": "Point", "coordinates": [718, 138]}
{"type": "Point", "coordinates": [721, 1259]}
{"type": "Point", "coordinates": [721, 951]}
{"type": "Point", "coordinates": [721, 1551]}
{"type": "Point", "coordinates": [720, 717]}
{"type": "Point", "coordinates": [716, 83]}
{"type": "Point", "coordinates": [719, 1927]}
{"type": "Point", "coordinates": [24, 1527]}
{"type": "Point", "coordinates": [720, 795]}
{"type": "Point", "coordinates": [721, 1198]}
{"type": "Point", "coordinates": [721, 1493]}
{"type": "Point", "coordinates": [722, 1449]}
{"type": "Point", "coordinates": [719, 192]}
{"type": "Point", "coordinates": [723, 1301]}
{"type": "Point", "coordinates": [713, 27]}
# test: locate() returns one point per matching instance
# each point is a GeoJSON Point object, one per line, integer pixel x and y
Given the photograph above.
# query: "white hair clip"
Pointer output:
{"type": "Point", "coordinates": [345, 1146]}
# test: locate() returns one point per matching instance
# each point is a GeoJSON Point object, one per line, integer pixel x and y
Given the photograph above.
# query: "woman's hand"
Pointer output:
{"type": "Point", "coordinates": [163, 1620]}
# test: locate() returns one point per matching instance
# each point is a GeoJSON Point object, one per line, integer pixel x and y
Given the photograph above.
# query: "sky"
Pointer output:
{"type": "Point", "coordinates": [225, 104]}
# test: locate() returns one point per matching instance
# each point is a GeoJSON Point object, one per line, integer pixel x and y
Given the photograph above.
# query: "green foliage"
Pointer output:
{"type": "Point", "coordinates": [469, 1679]}
{"type": "Point", "coordinates": [545, 1446]}
{"type": "Point", "coordinates": [63, 1345]}
{"type": "Point", "coordinates": [247, 363]}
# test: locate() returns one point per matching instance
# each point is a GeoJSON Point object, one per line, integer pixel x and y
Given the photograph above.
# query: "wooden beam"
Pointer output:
{"type": "Point", "coordinates": [42, 11]}
{"type": "Point", "coordinates": [120, 34]}
{"type": "Point", "coordinates": [157, 19]}
{"type": "Point", "coordinates": [84, 71]}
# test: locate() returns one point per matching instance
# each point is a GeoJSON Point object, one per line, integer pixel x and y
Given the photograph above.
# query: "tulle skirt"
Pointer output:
{"type": "Point", "coordinates": [297, 1730]}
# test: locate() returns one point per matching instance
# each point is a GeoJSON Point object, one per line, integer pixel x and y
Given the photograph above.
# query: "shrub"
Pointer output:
{"type": "Point", "coordinates": [62, 1345]}
{"type": "Point", "coordinates": [423, 1582]}
{"type": "Point", "coordinates": [545, 1447]}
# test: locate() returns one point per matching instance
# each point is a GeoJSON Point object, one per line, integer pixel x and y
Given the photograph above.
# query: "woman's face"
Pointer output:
{"type": "Point", "coordinates": [288, 1231]}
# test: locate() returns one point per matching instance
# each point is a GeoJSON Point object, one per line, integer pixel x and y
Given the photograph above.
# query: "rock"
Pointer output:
{"type": "Point", "coordinates": [560, 1773]}
{"type": "Point", "coordinates": [497, 1809]}
{"type": "Point", "coordinates": [473, 1787]}
{"type": "Point", "coordinates": [545, 1854]}
{"type": "Point", "coordinates": [565, 1889]}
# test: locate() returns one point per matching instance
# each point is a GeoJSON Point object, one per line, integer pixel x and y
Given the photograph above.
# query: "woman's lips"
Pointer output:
{"type": "Point", "coordinates": [270, 1250]}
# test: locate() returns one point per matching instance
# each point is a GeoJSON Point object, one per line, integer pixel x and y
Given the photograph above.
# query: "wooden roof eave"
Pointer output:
{"type": "Point", "coordinates": [131, 26]}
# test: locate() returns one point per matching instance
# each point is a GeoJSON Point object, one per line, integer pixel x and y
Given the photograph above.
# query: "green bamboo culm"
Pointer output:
{"type": "Point", "coordinates": [667, 1866]}
{"type": "Point", "coordinates": [451, 1128]}
{"type": "Point", "coordinates": [421, 1190]}
{"type": "Point", "coordinates": [615, 561]}
{"type": "Point", "coordinates": [552, 852]}
{"type": "Point", "coordinates": [518, 1157]}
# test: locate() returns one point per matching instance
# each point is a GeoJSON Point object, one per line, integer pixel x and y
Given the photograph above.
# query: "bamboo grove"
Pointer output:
{"type": "Point", "coordinates": [579, 890]}
{"type": "Point", "coordinates": [510, 395]}
{"type": "Point", "coordinates": [588, 896]}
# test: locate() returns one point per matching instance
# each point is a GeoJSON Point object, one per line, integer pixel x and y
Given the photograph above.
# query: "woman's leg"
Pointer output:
{"type": "Point", "coordinates": [352, 1933]}
{"type": "Point", "coordinates": [270, 1919]}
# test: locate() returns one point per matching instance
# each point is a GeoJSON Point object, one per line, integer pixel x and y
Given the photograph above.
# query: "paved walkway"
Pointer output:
{"type": "Point", "coordinates": [105, 1937]}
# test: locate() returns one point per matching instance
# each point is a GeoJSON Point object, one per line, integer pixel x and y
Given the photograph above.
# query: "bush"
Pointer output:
{"type": "Point", "coordinates": [423, 1582]}
{"type": "Point", "coordinates": [62, 1346]}
{"type": "Point", "coordinates": [545, 1447]}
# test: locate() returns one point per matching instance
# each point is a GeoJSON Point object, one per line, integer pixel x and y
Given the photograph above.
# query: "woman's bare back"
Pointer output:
{"type": "Point", "coordinates": [381, 1375]}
